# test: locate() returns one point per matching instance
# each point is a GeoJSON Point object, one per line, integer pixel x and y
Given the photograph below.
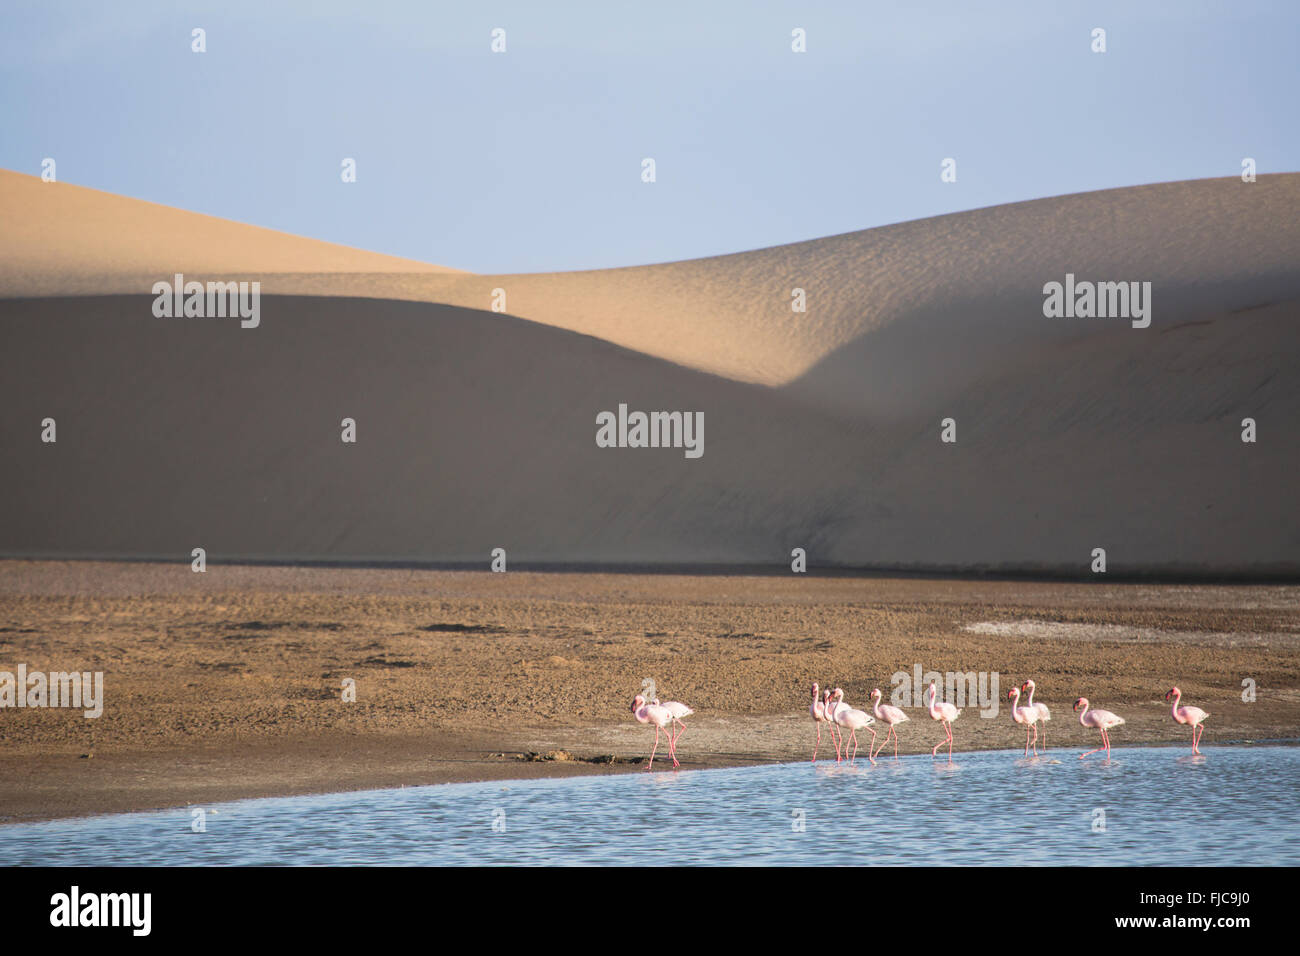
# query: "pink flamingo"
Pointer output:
{"type": "Point", "coordinates": [945, 713]}
{"type": "Point", "coordinates": [818, 712]}
{"type": "Point", "coordinates": [653, 714]}
{"type": "Point", "coordinates": [852, 721]}
{"type": "Point", "coordinates": [830, 706]}
{"type": "Point", "coordinates": [834, 703]}
{"type": "Point", "coordinates": [678, 710]}
{"type": "Point", "coordinates": [1044, 715]}
{"type": "Point", "coordinates": [890, 715]}
{"type": "Point", "coordinates": [1103, 720]}
{"type": "Point", "coordinates": [1024, 715]}
{"type": "Point", "coordinates": [1188, 715]}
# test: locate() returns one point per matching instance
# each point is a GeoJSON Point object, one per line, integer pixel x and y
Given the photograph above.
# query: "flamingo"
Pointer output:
{"type": "Point", "coordinates": [833, 703]}
{"type": "Point", "coordinates": [945, 713]}
{"type": "Point", "coordinates": [852, 721]}
{"type": "Point", "coordinates": [1188, 715]}
{"type": "Point", "coordinates": [818, 712]}
{"type": "Point", "coordinates": [1024, 715]}
{"type": "Point", "coordinates": [890, 715]}
{"type": "Point", "coordinates": [678, 710]}
{"type": "Point", "coordinates": [653, 714]}
{"type": "Point", "coordinates": [1103, 720]}
{"type": "Point", "coordinates": [1044, 715]}
{"type": "Point", "coordinates": [830, 706]}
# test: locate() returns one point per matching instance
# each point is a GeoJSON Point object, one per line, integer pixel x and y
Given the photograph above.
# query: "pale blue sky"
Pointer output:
{"type": "Point", "coordinates": [530, 160]}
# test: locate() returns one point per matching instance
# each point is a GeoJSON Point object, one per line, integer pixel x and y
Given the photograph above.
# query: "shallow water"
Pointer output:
{"type": "Point", "coordinates": [1235, 805]}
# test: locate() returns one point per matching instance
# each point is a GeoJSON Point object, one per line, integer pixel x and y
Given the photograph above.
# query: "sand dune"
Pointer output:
{"type": "Point", "coordinates": [958, 292]}
{"type": "Point", "coordinates": [477, 430]}
{"type": "Point", "coordinates": [60, 239]}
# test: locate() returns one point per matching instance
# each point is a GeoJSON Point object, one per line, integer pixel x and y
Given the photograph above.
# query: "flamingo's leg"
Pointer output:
{"type": "Point", "coordinates": [853, 735]}
{"type": "Point", "coordinates": [655, 748]}
{"type": "Point", "coordinates": [890, 733]}
{"type": "Point", "coordinates": [1026, 741]}
{"type": "Point", "coordinates": [1098, 750]}
{"type": "Point", "coordinates": [1044, 738]}
{"type": "Point", "coordinates": [819, 741]}
{"type": "Point", "coordinates": [950, 742]}
{"type": "Point", "coordinates": [869, 746]}
{"type": "Point", "coordinates": [1035, 726]}
{"type": "Point", "coordinates": [947, 737]}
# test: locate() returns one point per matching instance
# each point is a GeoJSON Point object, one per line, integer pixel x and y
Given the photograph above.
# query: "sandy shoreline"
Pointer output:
{"type": "Point", "coordinates": [226, 685]}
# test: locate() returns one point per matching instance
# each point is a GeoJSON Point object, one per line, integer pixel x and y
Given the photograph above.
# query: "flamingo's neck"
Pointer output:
{"type": "Point", "coordinates": [1029, 702]}
{"type": "Point", "coordinates": [1177, 698]}
{"type": "Point", "coordinates": [1082, 714]}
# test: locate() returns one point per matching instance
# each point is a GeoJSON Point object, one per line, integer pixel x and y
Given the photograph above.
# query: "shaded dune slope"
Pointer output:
{"type": "Point", "coordinates": [477, 431]}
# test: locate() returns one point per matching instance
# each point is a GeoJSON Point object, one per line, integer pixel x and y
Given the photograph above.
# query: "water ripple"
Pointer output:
{"type": "Point", "coordinates": [1147, 806]}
